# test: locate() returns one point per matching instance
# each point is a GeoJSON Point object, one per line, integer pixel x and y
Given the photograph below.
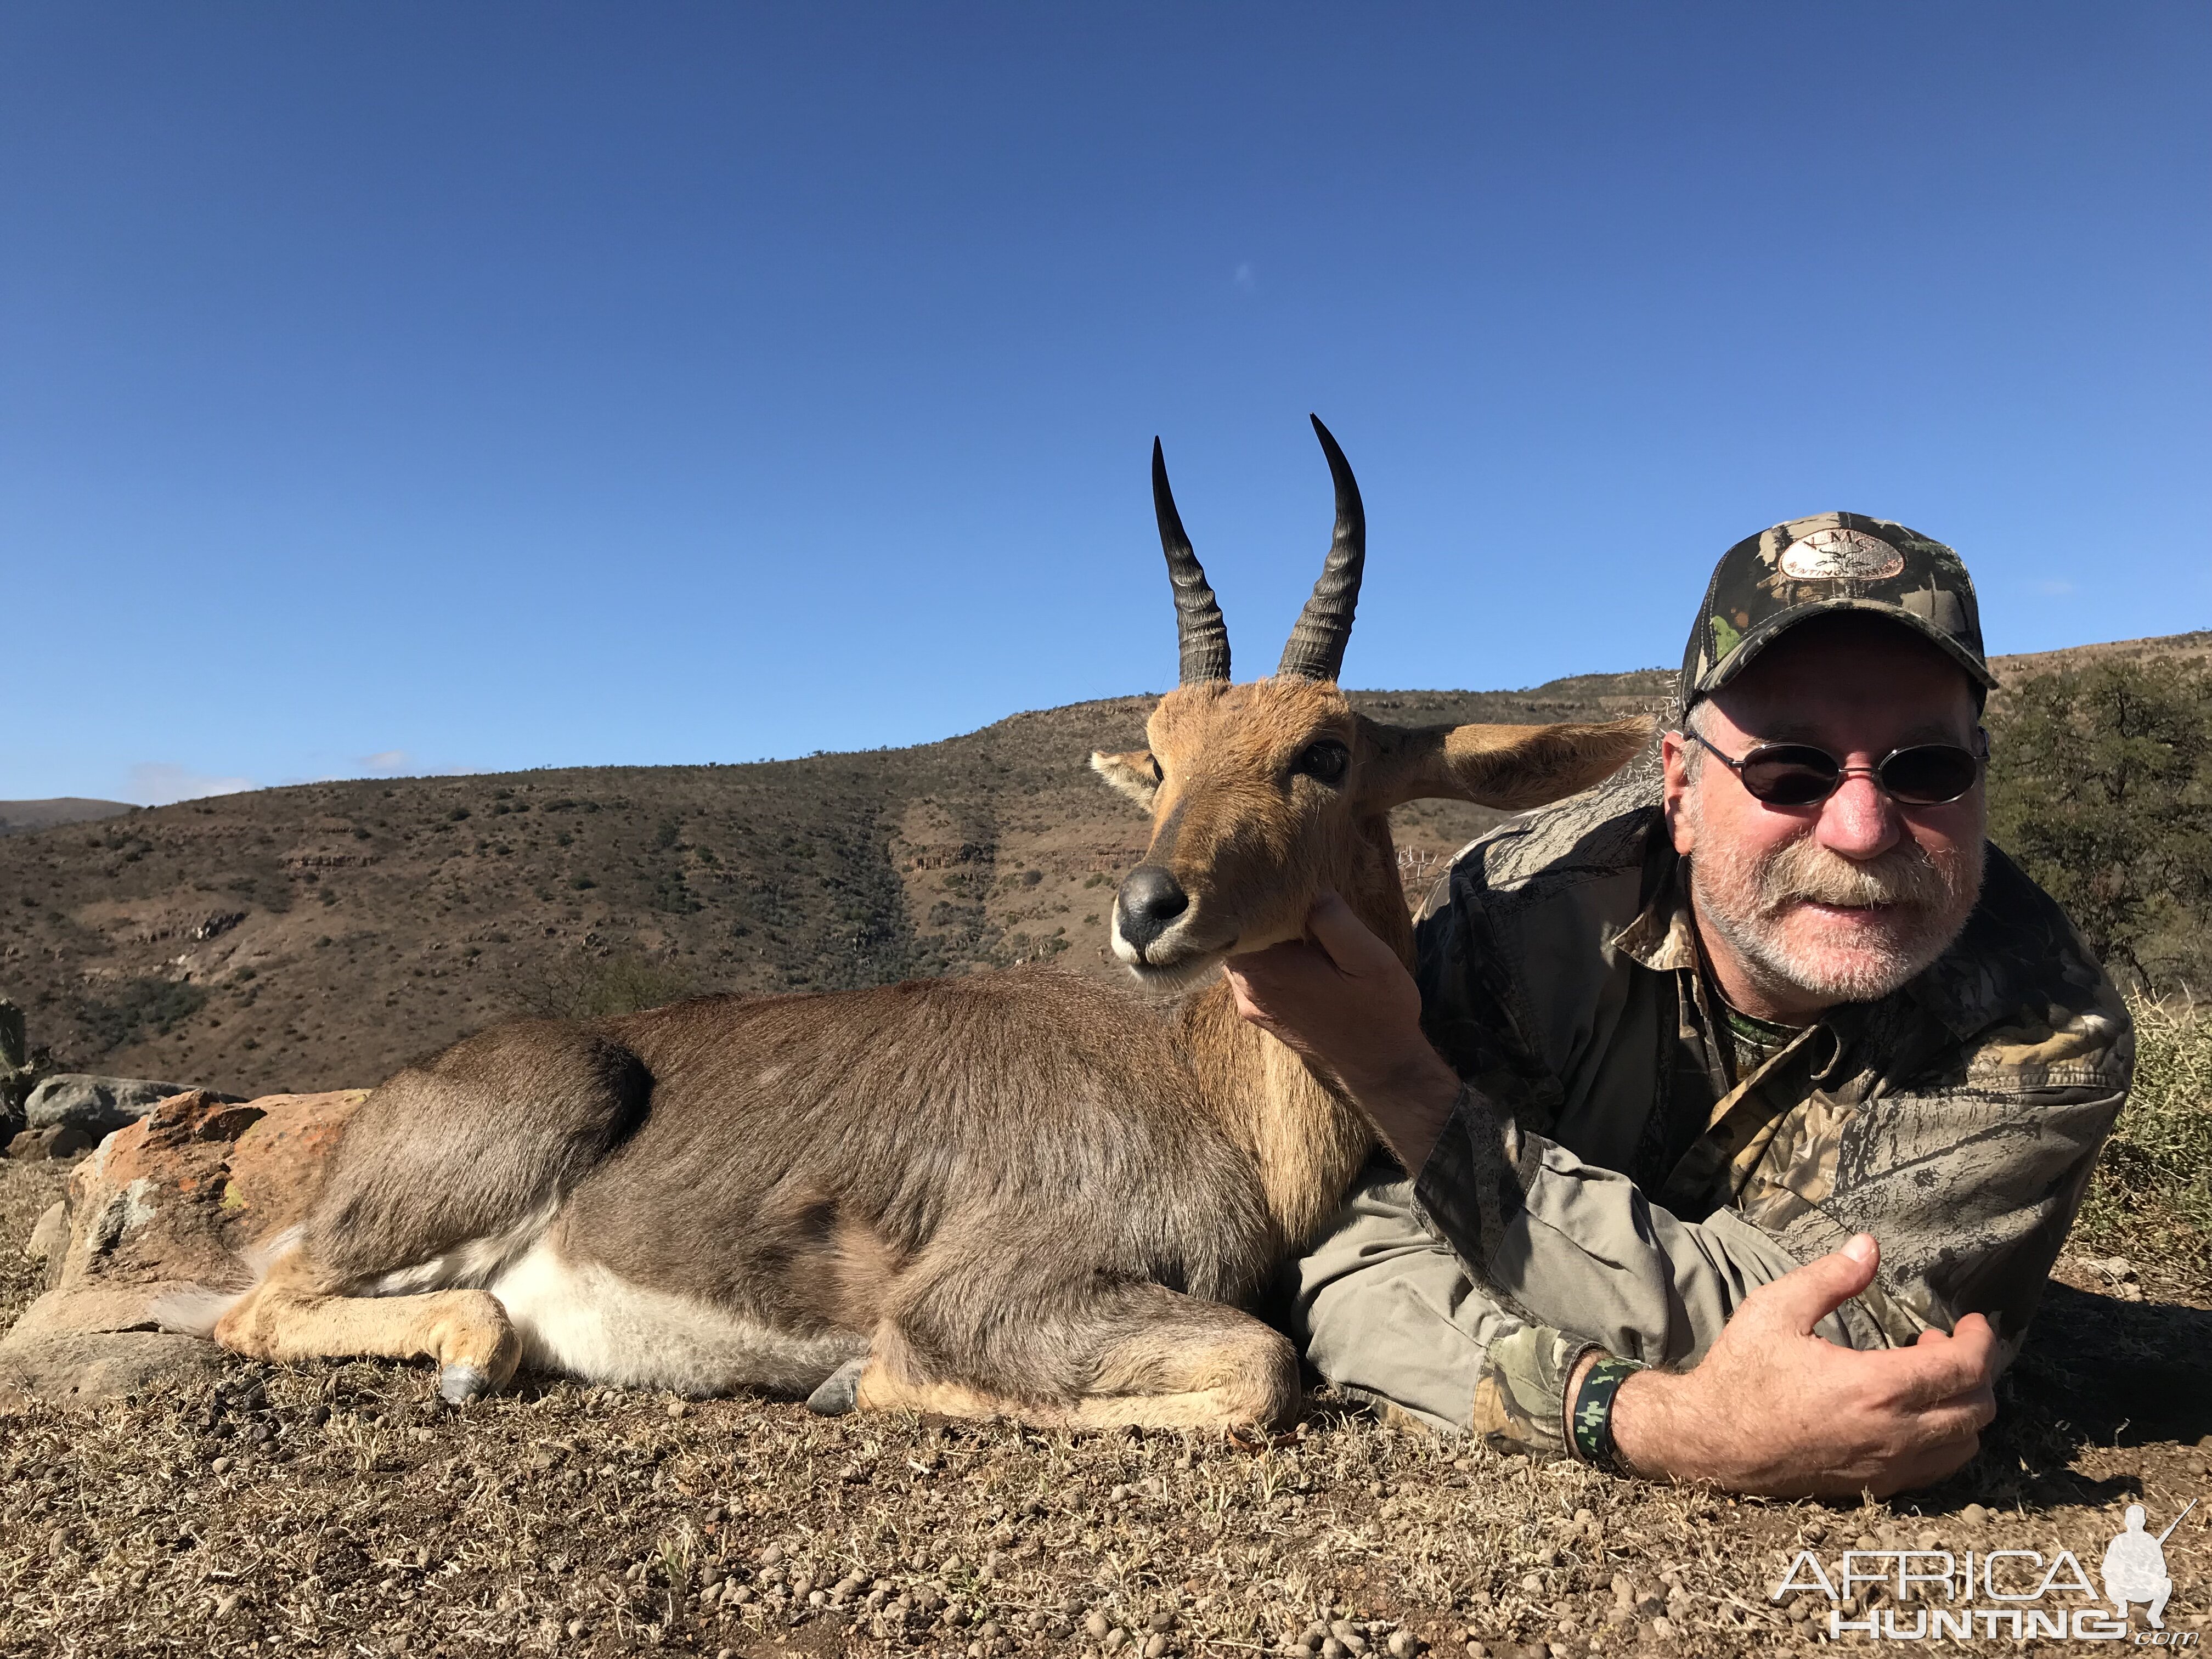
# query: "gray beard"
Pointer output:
{"type": "Point", "coordinates": [1929, 900]}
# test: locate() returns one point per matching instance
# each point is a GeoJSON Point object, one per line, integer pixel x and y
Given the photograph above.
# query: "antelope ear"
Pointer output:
{"type": "Point", "coordinates": [1511, 766]}
{"type": "Point", "coordinates": [1130, 774]}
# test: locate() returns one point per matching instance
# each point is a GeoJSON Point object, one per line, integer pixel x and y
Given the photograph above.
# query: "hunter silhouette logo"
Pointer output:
{"type": "Point", "coordinates": [2135, 1566]}
{"type": "Point", "coordinates": [2016, 1593]}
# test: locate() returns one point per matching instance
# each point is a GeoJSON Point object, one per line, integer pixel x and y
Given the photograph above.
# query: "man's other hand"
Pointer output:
{"type": "Point", "coordinates": [1775, 1409]}
{"type": "Point", "coordinates": [1341, 999]}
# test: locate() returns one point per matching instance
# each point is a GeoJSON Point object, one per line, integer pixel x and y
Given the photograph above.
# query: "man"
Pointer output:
{"type": "Point", "coordinates": [2135, 1569]}
{"type": "Point", "coordinates": [1747, 1105]}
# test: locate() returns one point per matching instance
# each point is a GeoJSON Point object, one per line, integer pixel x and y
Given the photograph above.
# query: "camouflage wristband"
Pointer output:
{"type": "Point", "coordinates": [1592, 1417]}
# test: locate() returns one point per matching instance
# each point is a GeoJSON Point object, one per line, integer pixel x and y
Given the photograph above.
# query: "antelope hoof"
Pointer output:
{"type": "Point", "coordinates": [839, 1391]}
{"type": "Point", "coordinates": [459, 1384]}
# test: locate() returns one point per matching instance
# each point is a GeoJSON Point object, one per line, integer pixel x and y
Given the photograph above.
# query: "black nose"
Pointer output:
{"type": "Point", "coordinates": [1151, 898]}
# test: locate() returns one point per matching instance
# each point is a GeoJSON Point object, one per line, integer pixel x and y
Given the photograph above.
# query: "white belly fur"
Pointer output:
{"type": "Point", "coordinates": [581, 1319]}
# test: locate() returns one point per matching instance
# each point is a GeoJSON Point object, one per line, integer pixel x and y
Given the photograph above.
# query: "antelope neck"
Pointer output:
{"type": "Point", "coordinates": [1307, 1140]}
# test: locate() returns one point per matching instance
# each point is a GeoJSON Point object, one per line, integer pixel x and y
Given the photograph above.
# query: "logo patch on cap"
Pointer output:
{"type": "Point", "coordinates": [1840, 555]}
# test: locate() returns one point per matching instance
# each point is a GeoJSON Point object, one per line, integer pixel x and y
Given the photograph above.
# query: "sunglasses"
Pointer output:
{"type": "Point", "coordinates": [1798, 774]}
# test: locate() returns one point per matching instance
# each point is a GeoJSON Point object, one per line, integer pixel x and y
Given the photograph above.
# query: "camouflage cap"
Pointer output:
{"type": "Point", "coordinates": [1768, 583]}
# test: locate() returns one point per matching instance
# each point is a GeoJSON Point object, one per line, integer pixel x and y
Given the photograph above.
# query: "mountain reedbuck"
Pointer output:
{"type": "Point", "coordinates": [1016, 1191]}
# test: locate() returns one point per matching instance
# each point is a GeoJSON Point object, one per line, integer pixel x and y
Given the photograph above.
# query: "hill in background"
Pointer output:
{"type": "Point", "coordinates": [322, 935]}
{"type": "Point", "coordinates": [21, 817]}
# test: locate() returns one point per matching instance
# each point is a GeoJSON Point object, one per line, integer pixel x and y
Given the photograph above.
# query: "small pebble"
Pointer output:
{"type": "Point", "coordinates": [221, 1465]}
{"type": "Point", "coordinates": [1400, 1643]}
{"type": "Point", "coordinates": [1332, 1648]}
{"type": "Point", "coordinates": [1974, 1515]}
{"type": "Point", "coordinates": [1163, 1619]}
{"type": "Point", "coordinates": [1155, 1645]}
{"type": "Point", "coordinates": [677, 1408]}
{"type": "Point", "coordinates": [1115, 1639]}
{"type": "Point", "coordinates": [1095, 1626]}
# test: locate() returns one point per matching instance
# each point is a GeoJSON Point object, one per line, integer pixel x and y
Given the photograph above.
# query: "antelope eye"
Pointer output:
{"type": "Point", "coordinates": [1326, 761]}
{"type": "Point", "coordinates": [1159, 776]}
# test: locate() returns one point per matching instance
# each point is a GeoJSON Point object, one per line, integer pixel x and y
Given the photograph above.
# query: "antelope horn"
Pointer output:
{"type": "Point", "coordinates": [1199, 631]}
{"type": "Point", "coordinates": [1315, 651]}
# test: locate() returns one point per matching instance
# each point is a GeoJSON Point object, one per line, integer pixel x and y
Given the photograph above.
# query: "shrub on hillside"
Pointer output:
{"type": "Point", "coordinates": [584, 987]}
{"type": "Point", "coordinates": [2100, 785]}
{"type": "Point", "coordinates": [2152, 1195]}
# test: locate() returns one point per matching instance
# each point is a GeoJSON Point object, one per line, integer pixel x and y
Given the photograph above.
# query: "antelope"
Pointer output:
{"type": "Point", "coordinates": [1016, 1193]}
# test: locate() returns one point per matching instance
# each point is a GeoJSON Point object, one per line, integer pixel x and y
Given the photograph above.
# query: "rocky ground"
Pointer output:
{"type": "Point", "coordinates": [340, 1510]}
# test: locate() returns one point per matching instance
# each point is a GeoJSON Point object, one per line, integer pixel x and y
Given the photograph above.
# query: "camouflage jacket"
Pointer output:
{"type": "Point", "coordinates": [1604, 1120]}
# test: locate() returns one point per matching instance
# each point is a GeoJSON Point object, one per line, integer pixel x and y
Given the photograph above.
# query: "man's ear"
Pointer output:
{"type": "Point", "coordinates": [1132, 773]}
{"type": "Point", "coordinates": [1510, 767]}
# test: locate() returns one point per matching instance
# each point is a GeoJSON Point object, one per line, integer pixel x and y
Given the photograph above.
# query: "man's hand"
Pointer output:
{"type": "Point", "coordinates": [1776, 1409]}
{"type": "Point", "coordinates": [1343, 1001]}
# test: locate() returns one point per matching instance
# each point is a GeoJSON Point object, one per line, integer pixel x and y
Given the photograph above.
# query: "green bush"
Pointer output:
{"type": "Point", "coordinates": [138, 1008]}
{"type": "Point", "coordinates": [599, 987]}
{"type": "Point", "coordinates": [2100, 785]}
{"type": "Point", "coordinates": [2152, 1195]}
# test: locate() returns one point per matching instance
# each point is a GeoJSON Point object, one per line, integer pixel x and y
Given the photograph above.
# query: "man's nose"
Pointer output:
{"type": "Point", "coordinates": [1859, 821]}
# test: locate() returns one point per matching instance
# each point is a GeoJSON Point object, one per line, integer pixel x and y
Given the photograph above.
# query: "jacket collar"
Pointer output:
{"type": "Point", "coordinates": [1662, 936]}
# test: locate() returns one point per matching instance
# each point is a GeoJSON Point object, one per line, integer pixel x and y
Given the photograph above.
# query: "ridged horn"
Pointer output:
{"type": "Point", "coordinates": [1201, 635]}
{"type": "Point", "coordinates": [1315, 651]}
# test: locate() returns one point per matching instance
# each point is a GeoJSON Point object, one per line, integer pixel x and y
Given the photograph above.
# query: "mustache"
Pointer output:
{"type": "Point", "coordinates": [1905, 875]}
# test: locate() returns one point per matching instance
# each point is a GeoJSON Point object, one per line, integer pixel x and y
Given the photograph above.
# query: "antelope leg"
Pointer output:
{"type": "Point", "coordinates": [286, 1317]}
{"type": "Point", "coordinates": [1148, 1357]}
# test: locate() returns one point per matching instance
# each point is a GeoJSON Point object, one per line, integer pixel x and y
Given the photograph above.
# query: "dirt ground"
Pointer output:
{"type": "Point", "coordinates": [341, 1510]}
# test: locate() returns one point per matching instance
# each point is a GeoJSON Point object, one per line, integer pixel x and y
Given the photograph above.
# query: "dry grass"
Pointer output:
{"type": "Point", "coordinates": [339, 1509]}
{"type": "Point", "coordinates": [2151, 1202]}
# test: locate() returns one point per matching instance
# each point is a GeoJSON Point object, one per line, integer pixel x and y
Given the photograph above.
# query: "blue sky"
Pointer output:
{"type": "Point", "coordinates": [392, 388]}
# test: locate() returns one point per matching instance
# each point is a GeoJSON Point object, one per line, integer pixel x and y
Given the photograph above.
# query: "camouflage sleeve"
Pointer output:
{"type": "Point", "coordinates": [1520, 1395]}
{"type": "Point", "coordinates": [1970, 1191]}
{"type": "Point", "coordinates": [1575, 1257]}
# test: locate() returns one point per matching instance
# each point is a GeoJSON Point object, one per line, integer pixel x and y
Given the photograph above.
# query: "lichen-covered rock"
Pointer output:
{"type": "Point", "coordinates": [51, 1233]}
{"type": "Point", "coordinates": [84, 1368]}
{"type": "Point", "coordinates": [174, 1201]}
{"type": "Point", "coordinates": [62, 1140]}
{"type": "Point", "coordinates": [98, 1105]}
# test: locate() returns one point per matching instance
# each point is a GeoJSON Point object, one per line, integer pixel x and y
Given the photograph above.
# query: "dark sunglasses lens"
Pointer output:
{"type": "Point", "coordinates": [1787, 776]}
{"type": "Point", "coordinates": [1930, 775]}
